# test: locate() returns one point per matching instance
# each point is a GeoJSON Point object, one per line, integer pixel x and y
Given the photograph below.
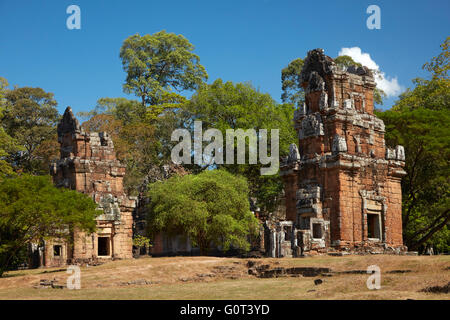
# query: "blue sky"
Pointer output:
{"type": "Point", "coordinates": [246, 40]}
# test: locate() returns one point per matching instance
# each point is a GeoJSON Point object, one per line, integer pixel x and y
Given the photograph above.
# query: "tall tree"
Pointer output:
{"type": "Point", "coordinates": [420, 121]}
{"type": "Point", "coordinates": [292, 91]}
{"type": "Point", "coordinates": [32, 209]}
{"type": "Point", "coordinates": [227, 105]}
{"type": "Point", "coordinates": [159, 66]}
{"type": "Point", "coordinates": [30, 117]}
{"type": "Point", "coordinates": [7, 144]}
{"type": "Point", "coordinates": [125, 110]}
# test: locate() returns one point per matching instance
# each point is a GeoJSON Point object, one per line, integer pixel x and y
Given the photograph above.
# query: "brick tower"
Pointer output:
{"type": "Point", "coordinates": [88, 164]}
{"type": "Point", "coordinates": [342, 184]}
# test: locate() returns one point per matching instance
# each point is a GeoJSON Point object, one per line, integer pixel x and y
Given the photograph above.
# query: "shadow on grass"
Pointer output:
{"type": "Point", "coordinates": [20, 274]}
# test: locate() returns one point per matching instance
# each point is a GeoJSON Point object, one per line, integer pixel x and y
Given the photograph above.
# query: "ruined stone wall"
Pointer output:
{"type": "Point", "coordinates": [88, 164]}
{"type": "Point", "coordinates": [342, 184]}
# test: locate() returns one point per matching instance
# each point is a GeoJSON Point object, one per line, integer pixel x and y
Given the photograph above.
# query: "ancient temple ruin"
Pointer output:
{"type": "Point", "coordinates": [88, 164]}
{"type": "Point", "coordinates": [342, 189]}
{"type": "Point", "coordinates": [342, 185]}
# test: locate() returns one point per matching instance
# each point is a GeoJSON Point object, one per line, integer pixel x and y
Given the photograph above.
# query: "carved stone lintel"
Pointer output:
{"type": "Point", "coordinates": [339, 144]}
{"type": "Point", "coordinates": [400, 153]}
{"type": "Point", "coordinates": [390, 154]}
{"type": "Point", "coordinates": [311, 126]}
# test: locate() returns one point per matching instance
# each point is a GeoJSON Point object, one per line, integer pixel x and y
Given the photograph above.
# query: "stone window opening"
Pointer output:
{"type": "Point", "coordinates": [373, 226]}
{"type": "Point", "coordinates": [287, 233]}
{"type": "Point", "coordinates": [317, 230]}
{"type": "Point", "coordinates": [57, 251]}
{"type": "Point", "coordinates": [104, 246]}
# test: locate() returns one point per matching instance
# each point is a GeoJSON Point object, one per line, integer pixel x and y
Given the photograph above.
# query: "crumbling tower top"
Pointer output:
{"type": "Point", "coordinates": [345, 89]}
{"type": "Point", "coordinates": [75, 142]}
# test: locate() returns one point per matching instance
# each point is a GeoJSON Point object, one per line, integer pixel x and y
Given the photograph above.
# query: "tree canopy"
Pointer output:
{"type": "Point", "coordinates": [420, 122]}
{"type": "Point", "coordinates": [158, 66]}
{"type": "Point", "coordinates": [292, 91]}
{"type": "Point", "coordinates": [227, 105]}
{"type": "Point", "coordinates": [33, 209]}
{"type": "Point", "coordinates": [7, 144]}
{"type": "Point", "coordinates": [29, 117]}
{"type": "Point", "coordinates": [211, 207]}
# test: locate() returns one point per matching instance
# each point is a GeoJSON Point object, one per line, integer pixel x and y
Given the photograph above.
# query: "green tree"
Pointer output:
{"type": "Point", "coordinates": [30, 117]}
{"type": "Point", "coordinates": [346, 61]}
{"type": "Point", "coordinates": [125, 110]}
{"type": "Point", "coordinates": [7, 144]}
{"type": "Point", "coordinates": [32, 209]}
{"type": "Point", "coordinates": [292, 90]}
{"type": "Point", "coordinates": [439, 66]}
{"type": "Point", "coordinates": [420, 121]}
{"type": "Point", "coordinates": [158, 67]}
{"type": "Point", "coordinates": [225, 105]}
{"type": "Point", "coordinates": [425, 135]}
{"type": "Point", "coordinates": [430, 93]}
{"type": "Point", "coordinates": [210, 208]}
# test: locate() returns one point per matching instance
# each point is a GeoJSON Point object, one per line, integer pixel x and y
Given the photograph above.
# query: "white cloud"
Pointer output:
{"type": "Point", "coordinates": [389, 85]}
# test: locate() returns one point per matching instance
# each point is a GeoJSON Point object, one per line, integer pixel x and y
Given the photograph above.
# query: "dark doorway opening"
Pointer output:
{"type": "Point", "coordinates": [103, 246]}
{"type": "Point", "coordinates": [373, 226]}
{"type": "Point", "coordinates": [317, 231]}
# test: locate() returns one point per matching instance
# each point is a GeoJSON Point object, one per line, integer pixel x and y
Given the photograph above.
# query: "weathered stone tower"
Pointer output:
{"type": "Point", "coordinates": [342, 184]}
{"type": "Point", "coordinates": [88, 164]}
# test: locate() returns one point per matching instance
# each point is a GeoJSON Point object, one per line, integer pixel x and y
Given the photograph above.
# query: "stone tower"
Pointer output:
{"type": "Point", "coordinates": [342, 184]}
{"type": "Point", "coordinates": [88, 164]}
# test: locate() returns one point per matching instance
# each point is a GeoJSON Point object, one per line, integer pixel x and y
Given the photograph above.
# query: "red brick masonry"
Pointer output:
{"type": "Point", "coordinates": [88, 164]}
{"type": "Point", "coordinates": [342, 184]}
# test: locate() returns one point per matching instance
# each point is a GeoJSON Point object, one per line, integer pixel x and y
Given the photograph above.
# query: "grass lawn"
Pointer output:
{"type": "Point", "coordinates": [228, 278]}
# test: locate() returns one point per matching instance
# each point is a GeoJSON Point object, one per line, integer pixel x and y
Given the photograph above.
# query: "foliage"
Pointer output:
{"type": "Point", "coordinates": [127, 111]}
{"type": "Point", "coordinates": [420, 122]}
{"type": "Point", "coordinates": [7, 144]}
{"type": "Point", "coordinates": [211, 207]}
{"type": "Point", "coordinates": [32, 209]}
{"type": "Point", "coordinates": [292, 90]}
{"type": "Point", "coordinates": [158, 65]}
{"type": "Point", "coordinates": [439, 66]}
{"type": "Point", "coordinates": [30, 118]}
{"type": "Point", "coordinates": [141, 241]}
{"type": "Point", "coordinates": [346, 61]}
{"type": "Point", "coordinates": [225, 105]}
